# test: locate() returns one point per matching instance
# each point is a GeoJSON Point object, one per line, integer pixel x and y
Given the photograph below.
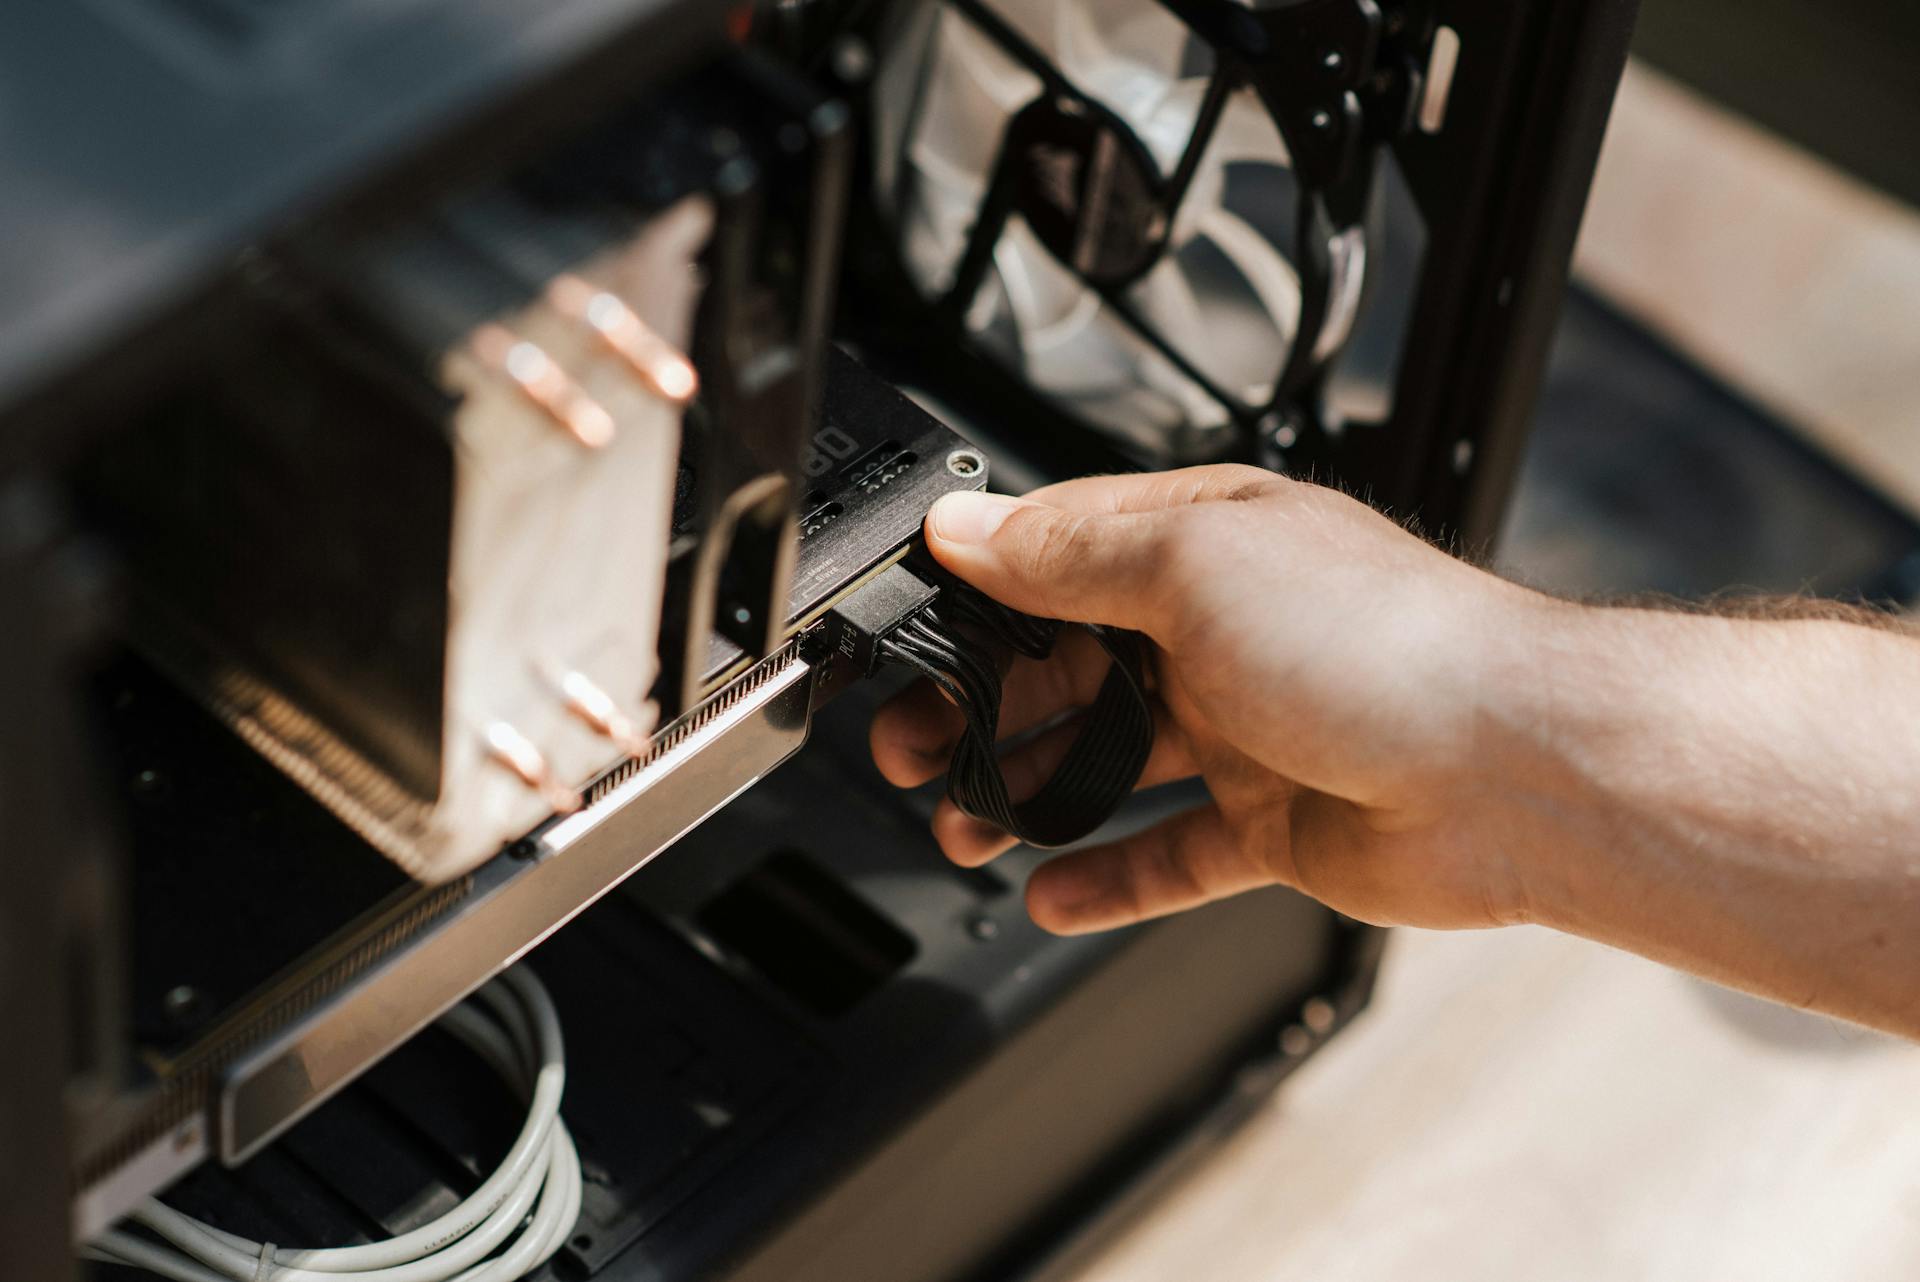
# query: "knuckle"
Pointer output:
{"type": "Point", "coordinates": [1295, 494]}
{"type": "Point", "coordinates": [1240, 482]}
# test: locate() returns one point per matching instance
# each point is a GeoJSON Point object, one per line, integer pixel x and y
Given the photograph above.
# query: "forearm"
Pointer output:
{"type": "Point", "coordinates": [1740, 798]}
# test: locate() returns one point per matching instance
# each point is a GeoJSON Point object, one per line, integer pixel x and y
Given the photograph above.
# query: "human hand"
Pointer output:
{"type": "Point", "coordinates": [1410, 739]}
{"type": "Point", "coordinates": [1342, 687]}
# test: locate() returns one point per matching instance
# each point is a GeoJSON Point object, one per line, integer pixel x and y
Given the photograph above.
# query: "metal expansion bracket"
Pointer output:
{"type": "Point", "coordinates": [312, 1035]}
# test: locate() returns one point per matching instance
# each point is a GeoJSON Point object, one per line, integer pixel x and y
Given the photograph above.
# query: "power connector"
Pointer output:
{"type": "Point", "coordinates": [857, 626]}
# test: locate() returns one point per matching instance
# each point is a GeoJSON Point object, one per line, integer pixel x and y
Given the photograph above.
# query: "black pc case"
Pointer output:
{"type": "Point", "coordinates": [801, 1045]}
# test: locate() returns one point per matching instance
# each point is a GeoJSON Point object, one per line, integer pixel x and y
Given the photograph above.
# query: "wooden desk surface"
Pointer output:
{"type": "Point", "coordinates": [1521, 1105]}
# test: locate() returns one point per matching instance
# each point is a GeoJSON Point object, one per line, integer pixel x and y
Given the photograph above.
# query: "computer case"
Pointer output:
{"type": "Point", "coordinates": [801, 1045]}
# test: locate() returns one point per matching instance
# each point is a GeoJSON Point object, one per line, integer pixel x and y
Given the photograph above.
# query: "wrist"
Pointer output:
{"type": "Point", "coordinates": [1653, 749]}
{"type": "Point", "coordinates": [1578, 694]}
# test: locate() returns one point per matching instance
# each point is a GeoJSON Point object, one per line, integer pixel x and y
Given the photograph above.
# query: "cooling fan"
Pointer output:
{"type": "Point", "coordinates": [1100, 197]}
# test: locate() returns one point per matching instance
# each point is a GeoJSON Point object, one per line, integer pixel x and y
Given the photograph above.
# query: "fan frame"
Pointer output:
{"type": "Point", "coordinates": [1500, 189]}
{"type": "Point", "coordinates": [1315, 105]}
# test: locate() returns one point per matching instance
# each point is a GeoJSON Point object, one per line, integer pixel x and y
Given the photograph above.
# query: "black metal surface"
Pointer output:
{"type": "Point", "coordinates": [58, 922]}
{"type": "Point", "coordinates": [234, 873]}
{"type": "Point", "coordinates": [873, 466]}
{"type": "Point", "coordinates": [876, 463]}
{"type": "Point", "coordinates": [673, 1072]}
{"type": "Point", "coordinates": [956, 1098]}
{"type": "Point", "coordinates": [1501, 189]}
{"type": "Point", "coordinates": [759, 343]}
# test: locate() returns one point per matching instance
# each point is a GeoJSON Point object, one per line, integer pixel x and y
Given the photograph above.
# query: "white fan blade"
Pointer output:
{"type": "Point", "coordinates": [970, 92]}
{"type": "Point", "coordinates": [1035, 20]}
{"type": "Point", "coordinates": [1272, 277]}
{"type": "Point", "coordinates": [909, 44]}
{"type": "Point", "coordinates": [1186, 403]}
{"type": "Point", "coordinates": [1245, 130]}
{"type": "Point", "coordinates": [1130, 66]}
{"type": "Point", "coordinates": [1165, 300]}
{"type": "Point", "coordinates": [1244, 134]}
{"type": "Point", "coordinates": [998, 74]}
{"type": "Point", "coordinates": [1049, 303]}
{"type": "Point", "coordinates": [948, 181]}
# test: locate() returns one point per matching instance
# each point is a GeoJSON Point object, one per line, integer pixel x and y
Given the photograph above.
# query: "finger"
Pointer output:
{"type": "Point", "coordinates": [914, 733]}
{"type": "Point", "coordinates": [971, 842]}
{"type": "Point", "coordinates": [1037, 690]}
{"type": "Point", "coordinates": [1185, 861]}
{"type": "Point", "coordinates": [1053, 563]}
{"type": "Point", "coordinates": [1152, 491]}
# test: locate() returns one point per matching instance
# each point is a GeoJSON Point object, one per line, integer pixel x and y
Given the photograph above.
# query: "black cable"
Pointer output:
{"type": "Point", "coordinates": [948, 643]}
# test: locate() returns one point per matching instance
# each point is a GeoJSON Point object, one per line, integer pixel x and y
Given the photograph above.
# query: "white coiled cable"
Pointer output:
{"type": "Point", "coordinates": [532, 1200]}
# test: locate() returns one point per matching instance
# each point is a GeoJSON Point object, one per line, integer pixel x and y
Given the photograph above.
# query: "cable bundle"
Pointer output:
{"type": "Point", "coordinates": [535, 1192]}
{"type": "Point", "coordinates": [1099, 770]}
{"type": "Point", "coordinates": [1023, 633]}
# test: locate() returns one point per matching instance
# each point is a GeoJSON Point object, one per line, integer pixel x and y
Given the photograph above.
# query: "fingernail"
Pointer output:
{"type": "Point", "coordinates": [970, 517]}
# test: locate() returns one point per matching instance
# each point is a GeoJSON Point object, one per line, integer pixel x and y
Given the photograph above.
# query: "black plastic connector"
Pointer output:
{"type": "Point", "coordinates": [858, 624]}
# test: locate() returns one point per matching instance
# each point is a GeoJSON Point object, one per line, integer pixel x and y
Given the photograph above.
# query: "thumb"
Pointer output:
{"type": "Point", "coordinates": [1084, 567]}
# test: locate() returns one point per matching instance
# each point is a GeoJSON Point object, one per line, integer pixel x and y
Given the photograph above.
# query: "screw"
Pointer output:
{"type": "Point", "coordinates": [182, 1005]}
{"type": "Point", "coordinates": [983, 927]}
{"type": "Point", "coordinates": [1322, 121]}
{"type": "Point", "coordinates": [1280, 430]}
{"type": "Point", "coordinates": [1318, 1014]}
{"type": "Point", "coordinates": [717, 1116]}
{"type": "Point", "coordinates": [852, 60]}
{"type": "Point", "coordinates": [1295, 1041]}
{"type": "Point", "coordinates": [1333, 62]}
{"type": "Point", "coordinates": [965, 463]}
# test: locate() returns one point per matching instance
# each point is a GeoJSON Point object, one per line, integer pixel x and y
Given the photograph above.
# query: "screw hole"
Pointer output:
{"type": "Point", "coordinates": [965, 463]}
